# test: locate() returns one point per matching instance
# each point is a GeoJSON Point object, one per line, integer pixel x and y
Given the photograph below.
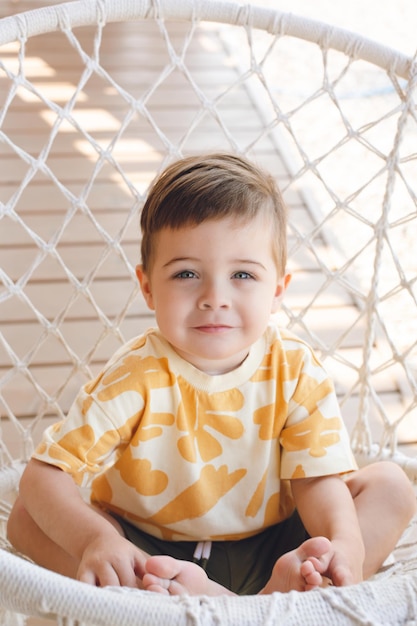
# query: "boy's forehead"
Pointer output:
{"type": "Point", "coordinates": [262, 219]}
{"type": "Point", "coordinates": [228, 227]}
{"type": "Point", "coordinates": [238, 235]}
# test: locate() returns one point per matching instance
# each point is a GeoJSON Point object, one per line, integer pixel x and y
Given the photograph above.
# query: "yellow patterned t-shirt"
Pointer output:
{"type": "Point", "coordinates": [187, 456]}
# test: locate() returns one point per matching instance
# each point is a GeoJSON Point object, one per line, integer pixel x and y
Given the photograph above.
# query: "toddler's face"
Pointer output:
{"type": "Point", "coordinates": [213, 288]}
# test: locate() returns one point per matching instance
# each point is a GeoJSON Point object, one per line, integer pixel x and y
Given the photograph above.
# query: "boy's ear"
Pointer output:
{"type": "Point", "coordinates": [145, 286]}
{"type": "Point", "coordinates": [279, 292]}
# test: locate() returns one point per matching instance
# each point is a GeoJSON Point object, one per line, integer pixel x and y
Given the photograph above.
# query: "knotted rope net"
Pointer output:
{"type": "Point", "coordinates": [96, 98]}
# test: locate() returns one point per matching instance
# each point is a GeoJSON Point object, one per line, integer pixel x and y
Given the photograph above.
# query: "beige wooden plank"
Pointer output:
{"type": "Point", "coordinates": [61, 87]}
{"type": "Point", "coordinates": [344, 369]}
{"type": "Point", "coordinates": [338, 325]}
{"type": "Point", "coordinates": [392, 405]}
{"type": "Point", "coordinates": [137, 35]}
{"type": "Point", "coordinates": [301, 257]}
{"type": "Point", "coordinates": [51, 298]}
{"type": "Point", "coordinates": [16, 261]}
{"type": "Point", "coordinates": [138, 53]}
{"type": "Point", "coordinates": [166, 97]}
{"type": "Point", "coordinates": [212, 81]}
{"type": "Point", "coordinates": [31, 340]}
{"type": "Point", "coordinates": [174, 95]}
{"type": "Point", "coordinates": [51, 366]}
{"type": "Point", "coordinates": [146, 148]}
{"type": "Point", "coordinates": [167, 120]}
{"type": "Point", "coordinates": [305, 285]}
{"type": "Point", "coordinates": [136, 77]}
{"type": "Point", "coordinates": [43, 197]}
{"type": "Point", "coordinates": [80, 228]}
{"type": "Point", "coordinates": [207, 136]}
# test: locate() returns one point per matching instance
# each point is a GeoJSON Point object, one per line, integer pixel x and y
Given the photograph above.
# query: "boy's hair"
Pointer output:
{"type": "Point", "coordinates": [213, 186]}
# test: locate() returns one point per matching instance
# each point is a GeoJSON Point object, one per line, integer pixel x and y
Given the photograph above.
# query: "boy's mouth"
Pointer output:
{"type": "Point", "coordinates": [213, 328]}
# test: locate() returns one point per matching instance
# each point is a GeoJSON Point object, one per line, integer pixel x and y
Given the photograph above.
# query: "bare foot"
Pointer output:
{"type": "Point", "coordinates": [173, 577]}
{"type": "Point", "coordinates": [301, 569]}
{"type": "Point", "coordinates": [345, 567]}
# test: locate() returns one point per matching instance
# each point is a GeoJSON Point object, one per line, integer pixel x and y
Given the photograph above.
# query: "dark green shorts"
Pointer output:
{"type": "Point", "coordinates": [243, 566]}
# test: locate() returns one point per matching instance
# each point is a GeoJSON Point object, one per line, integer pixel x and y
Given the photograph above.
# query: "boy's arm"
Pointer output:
{"type": "Point", "coordinates": [52, 499]}
{"type": "Point", "coordinates": [326, 508]}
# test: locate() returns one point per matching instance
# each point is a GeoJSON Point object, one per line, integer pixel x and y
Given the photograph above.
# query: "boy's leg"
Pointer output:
{"type": "Point", "coordinates": [385, 502]}
{"type": "Point", "coordinates": [26, 537]}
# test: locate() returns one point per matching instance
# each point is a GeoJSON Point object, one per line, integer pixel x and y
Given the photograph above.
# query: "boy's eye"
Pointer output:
{"type": "Point", "coordinates": [242, 275]}
{"type": "Point", "coordinates": [185, 274]}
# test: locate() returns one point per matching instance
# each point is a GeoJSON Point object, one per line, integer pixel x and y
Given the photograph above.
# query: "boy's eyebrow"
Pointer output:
{"type": "Point", "coordinates": [249, 262]}
{"type": "Point", "coordinates": [179, 259]}
{"type": "Point", "coordinates": [196, 259]}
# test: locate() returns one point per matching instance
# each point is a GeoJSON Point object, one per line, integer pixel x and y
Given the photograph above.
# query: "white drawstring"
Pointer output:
{"type": "Point", "coordinates": [202, 553]}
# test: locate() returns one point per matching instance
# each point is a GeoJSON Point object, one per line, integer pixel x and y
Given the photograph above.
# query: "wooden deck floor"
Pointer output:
{"type": "Point", "coordinates": [60, 254]}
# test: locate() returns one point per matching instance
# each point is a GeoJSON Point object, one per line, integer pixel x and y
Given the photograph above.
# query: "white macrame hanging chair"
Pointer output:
{"type": "Point", "coordinates": [96, 98]}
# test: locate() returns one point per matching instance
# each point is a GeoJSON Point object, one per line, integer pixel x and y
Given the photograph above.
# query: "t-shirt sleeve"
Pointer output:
{"type": "Point", "coordinates": [94, 433]}
{"type": "Point", "coordinates": [314, 440]}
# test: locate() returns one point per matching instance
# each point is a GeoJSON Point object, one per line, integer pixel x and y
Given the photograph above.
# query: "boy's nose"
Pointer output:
{"type": "Point", "coordinates": [213, 297]}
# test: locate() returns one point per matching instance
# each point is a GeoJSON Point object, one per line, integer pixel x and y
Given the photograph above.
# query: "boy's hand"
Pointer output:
{"type": "Point", "coordinates": [112, 560]}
